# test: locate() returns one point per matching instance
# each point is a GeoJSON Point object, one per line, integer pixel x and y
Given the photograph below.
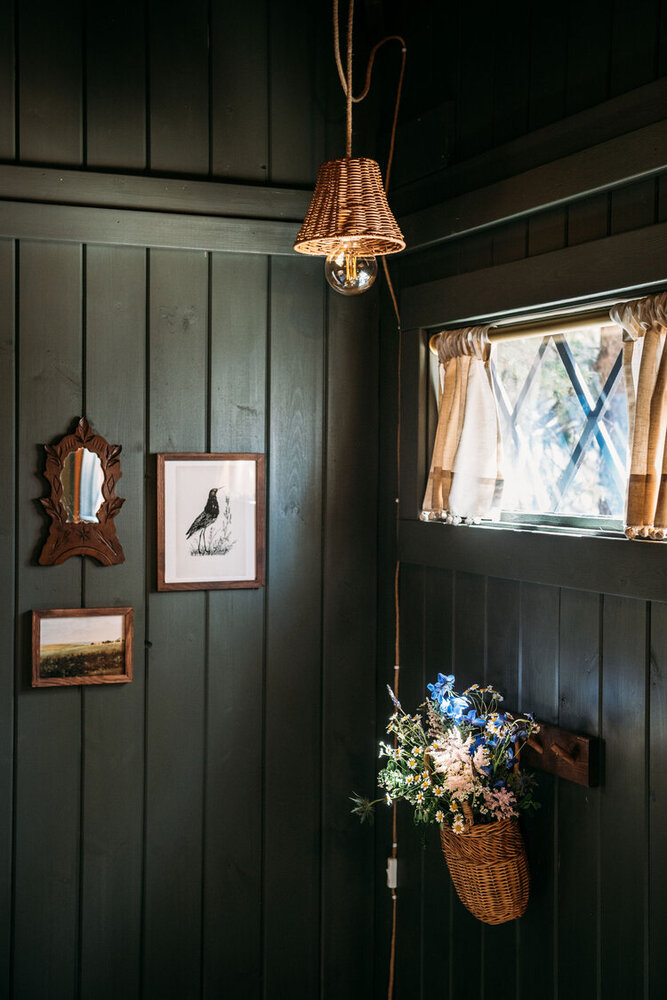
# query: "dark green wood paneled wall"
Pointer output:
{"type": "Point", "coordinates": [480, 77]}
{"type": "Point", "coordinates": [591, 663]}
{"type": "Point", "coordinates": [188, 834]}
{"type": "Point", "coordinates": [585, 660]}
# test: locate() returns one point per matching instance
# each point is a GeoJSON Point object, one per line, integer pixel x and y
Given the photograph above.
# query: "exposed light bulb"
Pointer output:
{"type": "Point", "coordinates": [350, 272]}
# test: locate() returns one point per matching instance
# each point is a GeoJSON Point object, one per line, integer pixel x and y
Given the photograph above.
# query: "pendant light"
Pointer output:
{"type": "Point", "coordinates": [349, 220]}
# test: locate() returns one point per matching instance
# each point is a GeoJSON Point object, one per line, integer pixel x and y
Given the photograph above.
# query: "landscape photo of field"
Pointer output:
{"type": "Point", "coordinates": [80, 646]}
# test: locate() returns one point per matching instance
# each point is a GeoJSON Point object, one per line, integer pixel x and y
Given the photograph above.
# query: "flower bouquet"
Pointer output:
{"type": "Point", "coordinates": [457, 763]}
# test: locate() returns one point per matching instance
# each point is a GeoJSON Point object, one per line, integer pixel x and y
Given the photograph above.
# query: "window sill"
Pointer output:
{"type": "Point", "coordinates": [600, 563]}
{"type": "Point", "coordinates": [573, 530]}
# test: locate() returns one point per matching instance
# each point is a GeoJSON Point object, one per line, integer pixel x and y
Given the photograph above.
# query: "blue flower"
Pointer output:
{"type": "Point", "coordinates": [453, 707]}
{"type": "Point", "coordinates": [443, 685]}
{"type": "Point", "coordinates": [474, 719]}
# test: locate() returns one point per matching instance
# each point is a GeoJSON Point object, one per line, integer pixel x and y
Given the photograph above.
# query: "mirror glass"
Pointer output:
{"type": "Point", "coordinates": [82, 479]}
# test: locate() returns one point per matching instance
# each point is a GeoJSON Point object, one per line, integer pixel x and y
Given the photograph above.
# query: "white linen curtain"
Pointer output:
{"type": "Point", "coordinates": [465, 480]}
{"type": "Point", "coordinates": [644, 322]}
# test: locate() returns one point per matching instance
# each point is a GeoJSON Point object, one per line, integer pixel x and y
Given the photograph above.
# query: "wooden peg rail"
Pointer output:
{"type": "Point", "coordinates": [563, 753]}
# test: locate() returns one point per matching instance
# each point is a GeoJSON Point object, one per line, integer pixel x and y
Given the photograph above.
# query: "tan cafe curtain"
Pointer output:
{"type": "Point", "coordinates": [644, 322]}
{"type": "Point", "coordinates": [465, 481]}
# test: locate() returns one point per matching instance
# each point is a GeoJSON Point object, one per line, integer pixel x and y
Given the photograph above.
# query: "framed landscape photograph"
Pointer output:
{"type": "Point", "coordinates": [82, 646]}
{"type": "Point", "coordinates": [210, 511]}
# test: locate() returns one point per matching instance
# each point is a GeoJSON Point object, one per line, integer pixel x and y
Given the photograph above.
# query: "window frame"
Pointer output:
{"type": "Point", "coordinates": [595, 561]}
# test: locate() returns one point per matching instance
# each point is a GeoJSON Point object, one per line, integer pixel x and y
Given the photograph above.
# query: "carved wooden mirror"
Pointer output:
{"type": "Point", "coordinates": [82, 471]}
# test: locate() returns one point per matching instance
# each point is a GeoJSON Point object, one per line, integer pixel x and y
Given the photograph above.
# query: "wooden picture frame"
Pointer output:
{"type": "Point", "coordinates": [75, 530]}
{"type": "Point", "coordinates": [82, 646]}
{"type": "Point", "coordinates": [211, 521]}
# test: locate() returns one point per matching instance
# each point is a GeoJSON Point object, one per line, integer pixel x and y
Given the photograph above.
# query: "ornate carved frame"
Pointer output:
{"type": "Point", "coordinates": [84, 538]}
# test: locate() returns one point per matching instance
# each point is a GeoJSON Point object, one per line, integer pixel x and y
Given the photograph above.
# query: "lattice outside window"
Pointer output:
{"type": "Point", "coordinates": [563, 414]}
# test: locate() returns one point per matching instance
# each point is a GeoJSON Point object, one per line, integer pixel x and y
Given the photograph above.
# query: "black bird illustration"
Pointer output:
{"type": "Point", "coordinates": [206, 518]}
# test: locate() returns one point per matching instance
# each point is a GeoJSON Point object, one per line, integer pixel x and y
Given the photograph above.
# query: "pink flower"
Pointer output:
{"type": "Point", "coordinates": [500, 803]}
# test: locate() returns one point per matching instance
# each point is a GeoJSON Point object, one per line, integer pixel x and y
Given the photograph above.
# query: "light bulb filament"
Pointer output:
{"type": "Point", "coordinates": [350, 272]}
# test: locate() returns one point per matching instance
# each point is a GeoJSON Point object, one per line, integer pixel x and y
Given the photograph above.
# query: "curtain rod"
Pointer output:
{"type": "Point", "coordinates": [542, 327]}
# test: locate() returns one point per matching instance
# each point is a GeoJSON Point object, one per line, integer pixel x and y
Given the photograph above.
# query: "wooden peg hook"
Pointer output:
{"type": "Point", "coordinates": [569, 755]}
{"type": "Point", "coordinates": [562, 753]}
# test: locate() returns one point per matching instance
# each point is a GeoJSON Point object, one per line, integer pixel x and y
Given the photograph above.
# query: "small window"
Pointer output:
{"type": "Point", "coordinates": [564, 421]}
{"type": "Point", "coordinates": [564, 426]}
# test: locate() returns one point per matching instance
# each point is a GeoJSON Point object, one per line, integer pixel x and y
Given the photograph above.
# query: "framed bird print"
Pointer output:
{"type": "Point", "coordinates": [210, 511]}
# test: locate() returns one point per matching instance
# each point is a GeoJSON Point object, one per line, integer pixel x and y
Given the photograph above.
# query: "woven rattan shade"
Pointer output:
{"type": "Point", "coordinates": [349, 206]}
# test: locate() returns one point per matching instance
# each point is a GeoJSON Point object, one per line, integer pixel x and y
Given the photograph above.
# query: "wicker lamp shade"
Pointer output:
{"type": "Point", "coordinates": [349, 208]}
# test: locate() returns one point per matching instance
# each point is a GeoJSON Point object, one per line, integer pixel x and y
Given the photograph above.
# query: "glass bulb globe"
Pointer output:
{"type": "Point", "coordinates": [348, 272]}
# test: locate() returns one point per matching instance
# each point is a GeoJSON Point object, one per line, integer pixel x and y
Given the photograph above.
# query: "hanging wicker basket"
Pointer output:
{"type": "Point", "coordinates": [489, 870]}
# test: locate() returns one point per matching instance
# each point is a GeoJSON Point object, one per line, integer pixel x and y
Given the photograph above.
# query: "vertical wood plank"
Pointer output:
{"type": "Point", "coordinates": [113, 720]}
{"type": "Point", "coordinates": [548, 42]}
{"type": "Point", "coordinates": [475, 252]}
{"type": "Point", "coordinates": [510, 242]}
{"type": "Point", "coordinates": [578, 807]}
{"type": "Point", "coordinates": [466, 975]}
{"type": "Point", "coordinates": [7, 628]}
{"type": "Point", "coordinates": [589, 28]}
{"type": "Point", "coordinates": [415, 462]}
{"type": "Point", "coordinates": [116, 85]}
{"type": "Point", "coordinates": [292, 848]}
{"type": "Point", "coordinates": [408, 969]}
{"type": "Point", "coordinates": [623, 806]}
{"type": "Point", "coordinates": [233, 805]}
{"type": "Point", "coordinates": [437, 262]}
{"type": "Point", "coordinates": [588, 219]}
{"type": "Point", "coordinates": [635, 30]}
{"type": "Point", "coordinates": [239, 90]}
{"type": "Point", "coordinates": [7, 82]}
{"type": "Point", "coordinates": [175, 737]}
{"type": "Point", "coordinates": [48, 721]}
{"type": "Point", "coordinates": [475, 106]}
{"type": "Point", "coordinates": [503, 619]}
{"type": "Point", "coordinates": [511, 73]}
{"type": "Point", "coordinates": [657, 800]}
{"type": "Point", "coordinates": [547, 231]}
{"type": "Point", "coordinates": [662, 195]}
{"type": "Point", "coordinates": [349, 643]}
{"type": "Point", "coordinates": [633, 206]}
{"type": "Point", "coordinates": [438, 891]}
{"type": "Point", "coordinates": [388, 488]}
{"type": "Point", "coordinates": [296, 93]}
{"type": "Point", "coordinates": [179, 86]}
{"type": "Point", "coordinates": [538, 693]}
{"type": "Point", "coordinates": [50, 82]}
